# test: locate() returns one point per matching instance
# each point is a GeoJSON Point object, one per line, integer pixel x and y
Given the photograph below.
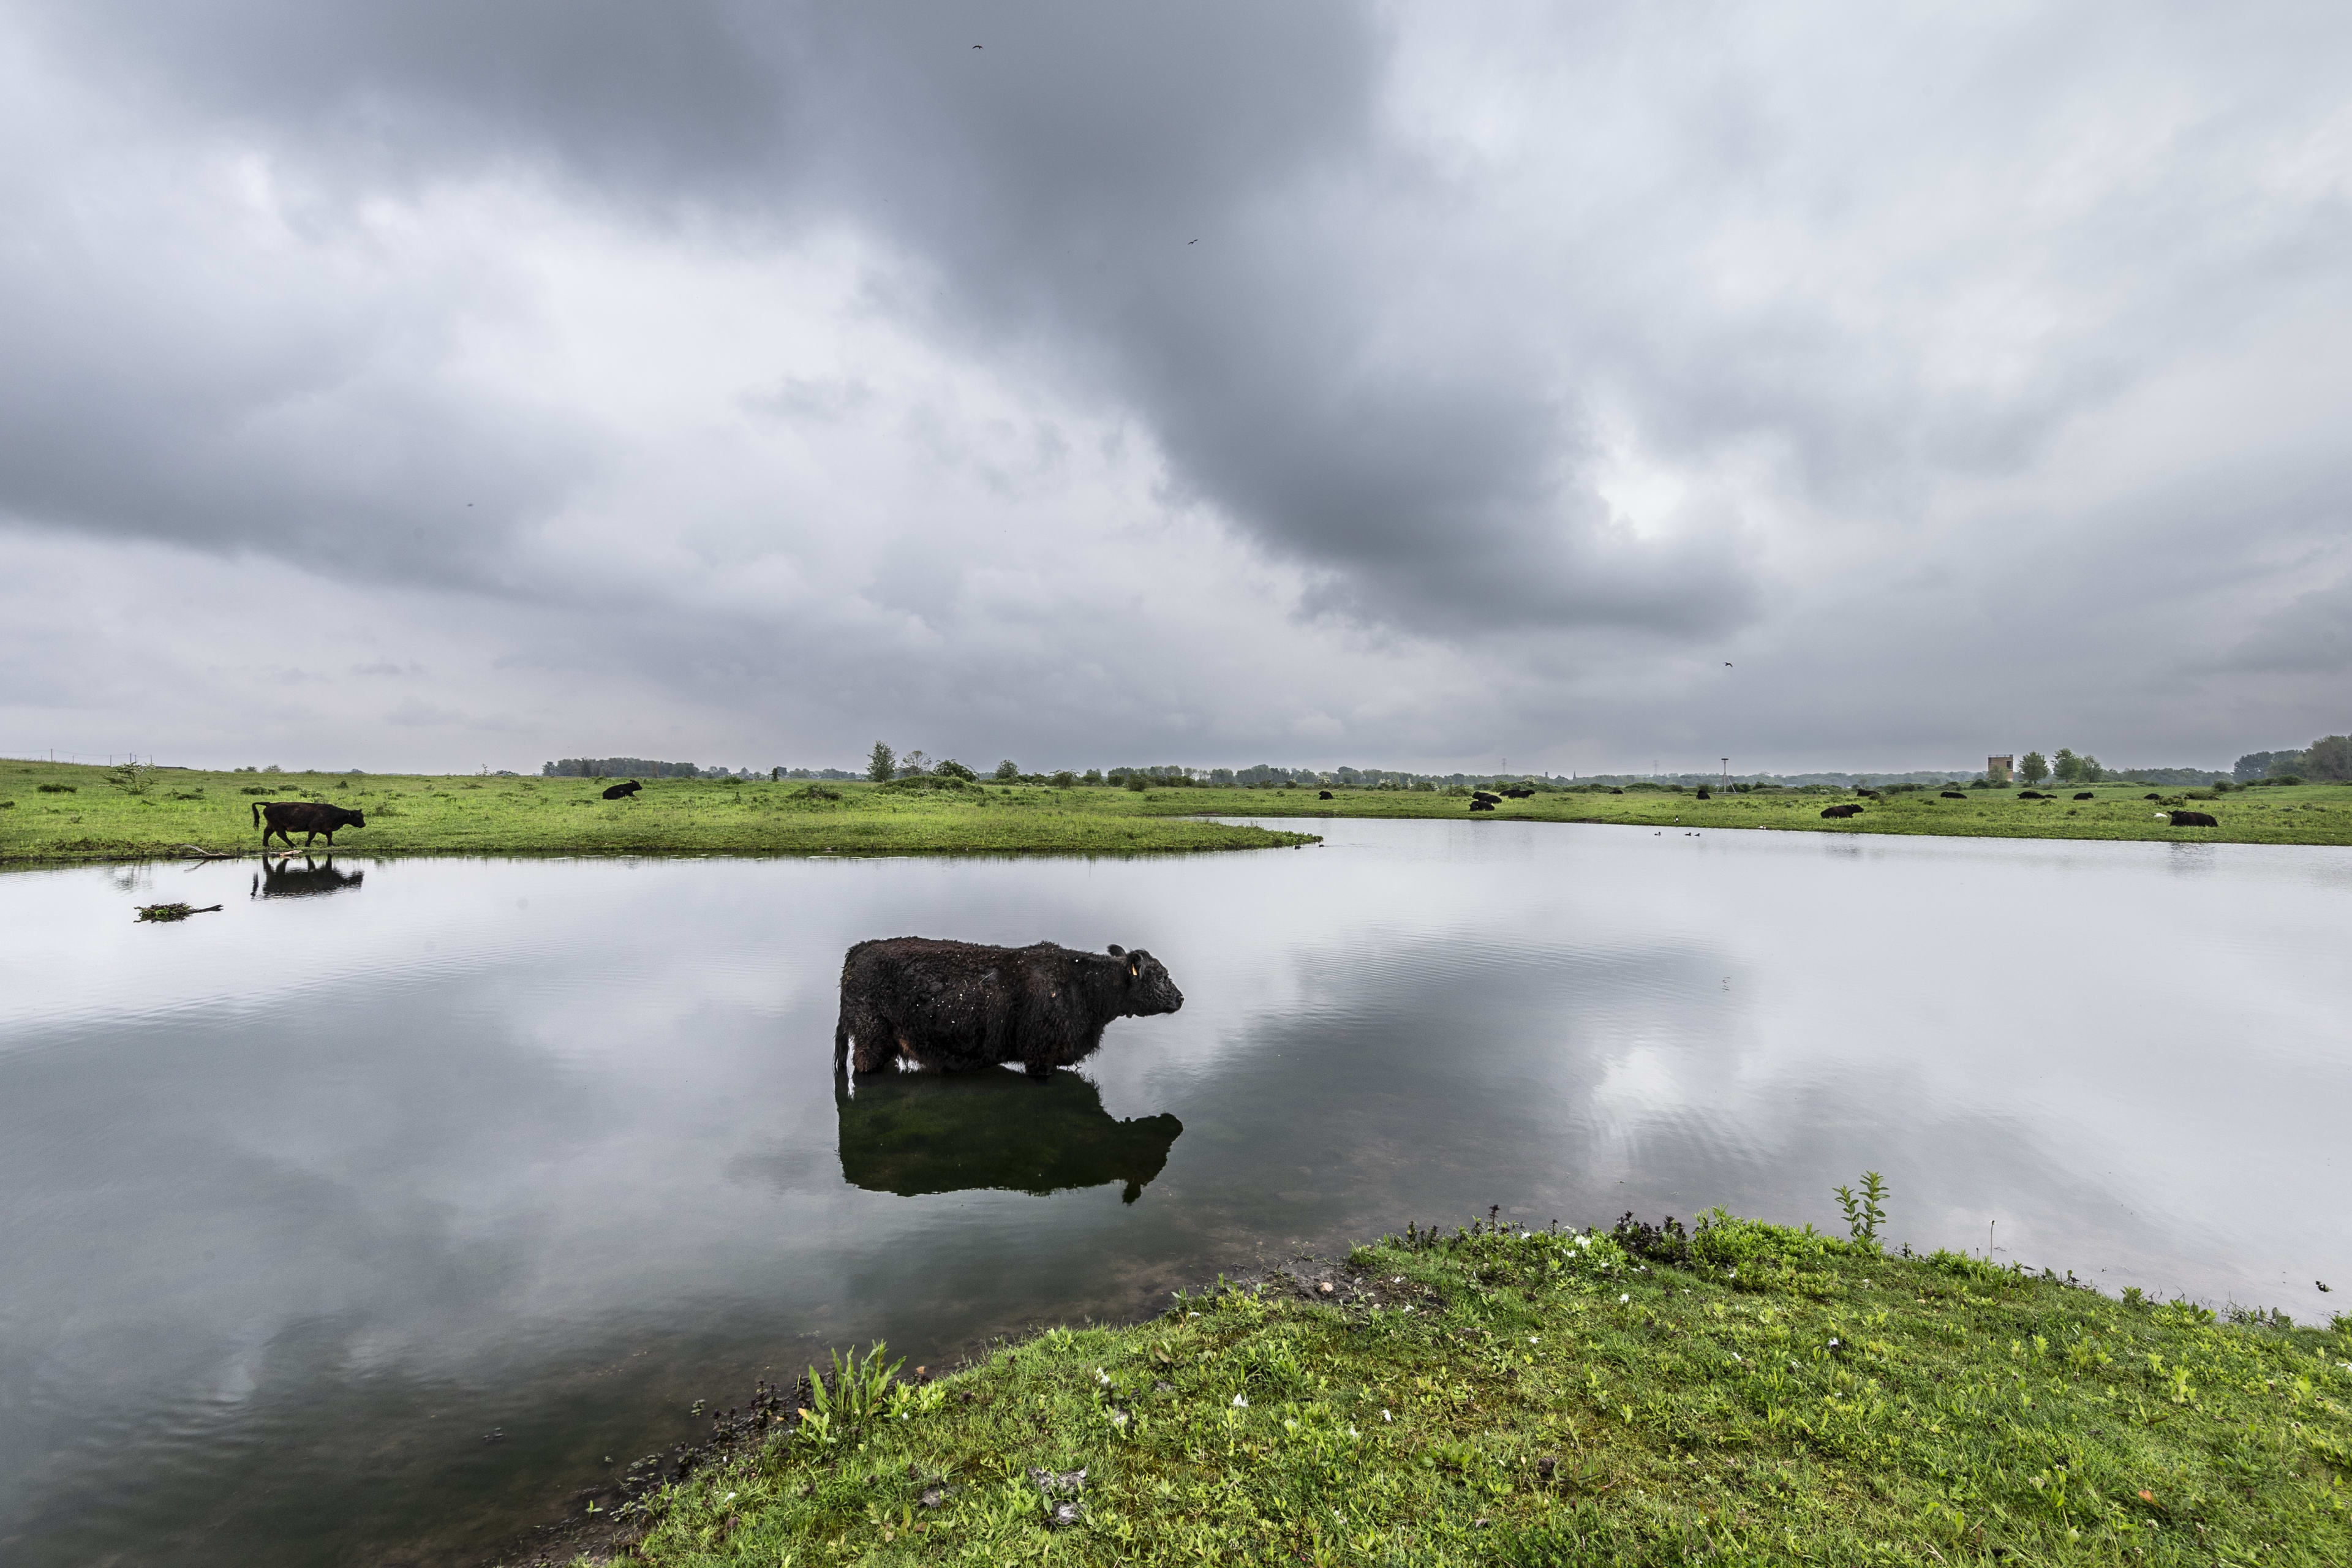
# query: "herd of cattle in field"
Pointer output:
{"type": "Point", "coordinates": [283, 818]}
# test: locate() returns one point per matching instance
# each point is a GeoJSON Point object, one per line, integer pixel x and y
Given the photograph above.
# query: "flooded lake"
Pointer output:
{"type": "Point", "coordinates": [360, 1222]}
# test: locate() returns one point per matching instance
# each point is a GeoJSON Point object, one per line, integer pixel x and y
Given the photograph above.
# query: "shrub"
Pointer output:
{"type": "Point", "coordinates": [1066, 779]}
{"type": "Point", "coordinates": [1137, 782]}
{"type": "Point", "coordinates": [952, 769]}
{"type": "Point", "coordinates": [58, 789]}
{"type": "Point", "coordinates": [1006, 772]}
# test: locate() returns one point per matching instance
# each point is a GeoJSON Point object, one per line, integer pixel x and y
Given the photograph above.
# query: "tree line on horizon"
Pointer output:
{"type": "Point", "coordinates": [2328, 759]}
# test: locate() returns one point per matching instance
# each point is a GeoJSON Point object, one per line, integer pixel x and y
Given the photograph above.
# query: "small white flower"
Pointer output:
{"type": "Point", "coordinates": [1531, 1339]}
{"type": "Point", "coordinates": [1240, 1403]}
{"type": "Point", "coordinates": [1102, 1377]}
{"type": "Point", "coordinates": [1734, 1355]}
{"type": "Point", "coordinates": [1622, 1298]}
{"type": "Point", "coordinates": [1352, 1433]}
{"type": "Point", "coordinates": [729, 1497]}
{"type": "Point", "coordinates": [1386, 1416]}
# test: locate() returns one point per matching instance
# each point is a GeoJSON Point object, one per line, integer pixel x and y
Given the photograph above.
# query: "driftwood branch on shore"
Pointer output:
{"type": "Point", "coordinates": [200, 853]}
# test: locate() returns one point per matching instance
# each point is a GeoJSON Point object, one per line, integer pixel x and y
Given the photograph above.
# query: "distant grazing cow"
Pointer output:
{"type": "Point", "coordinates": [955, 1005]}
{"type": "Point", "coordinates": [2030, 794]}
{"type": "Point", "coordinates": [1520, 793]}
{"type": "Point", "coordinates": [2193, 819]}
{"type": "Point", "coordinates": [1867, 794]}
{"type": "Point", "coordinates": [1480, 802]}
{"type": "Point", "coordinates": [1954, 794]}
{"type": "Point", "coordinates": [623, 791]}
{"type": "Point", "coordinates": [1322, 794]}
{"type": "Point", "coordinates": [309, 818]}
{"type": "Point", "coordinates": [2084, 795]}
{"type": "Point", "coordinates": [2152, 797]}
{"type": "Point", "coordinates": [1839, 813]}
{"type": "Point", "coordinates": [1486, 795]}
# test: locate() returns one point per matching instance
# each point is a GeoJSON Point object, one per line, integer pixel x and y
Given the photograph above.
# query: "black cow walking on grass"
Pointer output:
{"type": "Point", "coordinates": [954, 1005]}
{"type": "Point", "coordinates": [1837, 813]}
{"type": "Point", "coordinates": [309, 817]}
{"type": "Point", "coordinates": [623, 791]}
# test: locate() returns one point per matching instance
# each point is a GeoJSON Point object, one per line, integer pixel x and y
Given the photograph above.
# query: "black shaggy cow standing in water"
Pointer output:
{"type": "Point", "coordinates": [954, 1005]}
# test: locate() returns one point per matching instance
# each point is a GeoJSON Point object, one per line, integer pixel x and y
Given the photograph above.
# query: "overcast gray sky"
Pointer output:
{"type": "Point", "coordinates": [435, 385]}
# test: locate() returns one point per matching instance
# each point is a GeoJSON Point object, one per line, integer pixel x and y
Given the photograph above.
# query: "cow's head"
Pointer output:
{"type": "Point", "coordinates": [356, 818]}
{"type": "Point", "coordinates": [1148, 989]}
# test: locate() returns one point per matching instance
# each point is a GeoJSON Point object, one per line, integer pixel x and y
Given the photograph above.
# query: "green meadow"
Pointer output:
{"type": "Point", "coordinates": [2294, 814]}
{"type": "Point", "coordinates": [1743, 1393]}
{"type": "Point", "coordinates": [52, 812]}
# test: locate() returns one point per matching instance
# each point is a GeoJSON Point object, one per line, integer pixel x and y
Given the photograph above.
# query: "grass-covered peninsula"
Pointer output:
{"type": "Point", "coordinates": [1744, 1394]}
{"type": "Point", "coordinates": [52, 812]}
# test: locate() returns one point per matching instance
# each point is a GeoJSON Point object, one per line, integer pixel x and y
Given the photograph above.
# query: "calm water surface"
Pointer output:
{"type": "Point", "coordinates": [300, 1201]}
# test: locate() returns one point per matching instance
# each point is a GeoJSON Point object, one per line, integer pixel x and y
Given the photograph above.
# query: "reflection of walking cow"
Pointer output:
{"type": "Point", "coordinates": [954, 1005]}
{"type": "Point", "coordinates": [278, 880]}
{"type": "Point", "coordinates": [285, 819]}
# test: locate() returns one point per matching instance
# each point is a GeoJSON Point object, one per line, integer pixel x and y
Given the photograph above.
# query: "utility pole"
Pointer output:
{"type": "Point", "coordinates": [1727, 774]}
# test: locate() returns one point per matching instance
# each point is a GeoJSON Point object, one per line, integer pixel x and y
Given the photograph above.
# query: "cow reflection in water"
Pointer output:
{"type": "Point", "coordinates": [911, 1133]}
{"type": "Point", "coordinates": [280, 880]}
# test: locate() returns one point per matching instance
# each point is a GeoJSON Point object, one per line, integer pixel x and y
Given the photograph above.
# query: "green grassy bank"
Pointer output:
{"type": "Point", "coordinates": [2294, 814]}
{"type": "Point", "coordinates": [59, 812]}
{"type": "Point", "coordinates": [1746, 1394]}
{"type": "Point", "coordinates": [54, 812]}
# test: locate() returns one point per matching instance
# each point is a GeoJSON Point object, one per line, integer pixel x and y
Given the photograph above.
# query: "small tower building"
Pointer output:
{"type": "Point", "coordinates": [2000, 769]}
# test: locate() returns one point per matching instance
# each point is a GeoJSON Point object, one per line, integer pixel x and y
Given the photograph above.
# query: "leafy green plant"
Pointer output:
{"type": "Point", "coordinates": [858, 1390]}
{"type": "Point", "coordinates": [1865, 1214]}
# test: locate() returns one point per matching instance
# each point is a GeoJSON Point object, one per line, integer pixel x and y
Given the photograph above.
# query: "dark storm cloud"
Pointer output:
{"type": "Point", "coordinates": [1641, 339]}
{"type": "Point", "coordinates": [1176, 209]}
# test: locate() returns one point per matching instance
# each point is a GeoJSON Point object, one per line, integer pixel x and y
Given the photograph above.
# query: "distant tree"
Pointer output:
{"type": "Point", "coordinates": [914, 764]}
{"type": "Point", "coordinates": [1007, 771]}
{"type": "Point", "coordinates": [2065, 767]}
{"type": "Point", "coordinates": [951, 769]}
{"type": "Point", "coordinates": [1137, 782]}
{"type": "Point", "coordinates": [1093, 776]}
{"type": "Point", "coordinates": [883, 765]}
{"type": "Point", "coordinates": [2329, 758]}
{"type": "Point", "coordinates": [2032, 768]}
{"type": "Point", "coordinates": [1066, 779]}
{"type": "Point", "coordinates": [2090, 771]}
{"type": "Point", "coordinates": [2264, 765]}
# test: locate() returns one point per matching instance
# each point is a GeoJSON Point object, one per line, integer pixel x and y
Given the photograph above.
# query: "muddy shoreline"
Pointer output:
{"type": "Point", "coordinates": [607, 1535]}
